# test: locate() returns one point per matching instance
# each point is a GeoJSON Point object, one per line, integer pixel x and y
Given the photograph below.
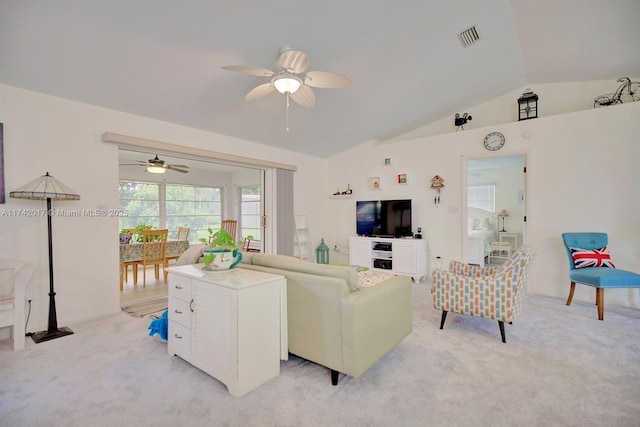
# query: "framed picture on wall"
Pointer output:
{"type": "Point", "coordinates": [402, 178]}
{"type": "Point", "coordinates": [1, 164]}
{"type": "Point", "coordinates": [374, 183]}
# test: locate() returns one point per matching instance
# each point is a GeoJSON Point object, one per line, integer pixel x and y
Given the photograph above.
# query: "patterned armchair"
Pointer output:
{"type": "Point", "coordinates": [491, 292]}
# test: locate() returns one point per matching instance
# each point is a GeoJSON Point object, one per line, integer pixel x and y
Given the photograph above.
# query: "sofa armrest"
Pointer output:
{"type": "Point", "coordinates": [375, 320]}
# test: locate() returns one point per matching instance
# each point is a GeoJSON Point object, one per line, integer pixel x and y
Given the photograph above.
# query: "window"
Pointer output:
{"type": "Point", "coordinates": [195, 207]}
{"type": "Point", "coordinates": [482, 196]}
{"type": "Point", "coordinates": [142, 202]}
{"type": "Point", "coordinates": [171, 206]}
{"type": "Point", "coordinates": [250, 212]}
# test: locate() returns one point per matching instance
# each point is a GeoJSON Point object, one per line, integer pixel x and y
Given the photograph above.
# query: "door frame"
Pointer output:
{"type": "Point", "coordinates": [464, 182]}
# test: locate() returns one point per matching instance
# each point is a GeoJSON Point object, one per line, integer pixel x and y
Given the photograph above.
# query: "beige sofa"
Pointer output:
{"type": "Point", "coordinates": [334, 322]}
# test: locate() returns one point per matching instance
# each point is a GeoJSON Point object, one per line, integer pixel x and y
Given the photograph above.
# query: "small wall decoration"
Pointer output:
{"type": "Point", "coordinates": [460, 120]}
{"type": "Point", "coordinates": [402, 178]}
{"type": "Point", "coordinates": [387, 161]}
{"type": "Point", "coordinates": [528, 105]}
{"type": "Point", "coordinates": [374, 183]}
{"type": "Point", "coordinates": [437, 184]}
{"type": "Point", "coordinates": [346, 192]}
{"type": "Point", "coordinates": [627, 92]}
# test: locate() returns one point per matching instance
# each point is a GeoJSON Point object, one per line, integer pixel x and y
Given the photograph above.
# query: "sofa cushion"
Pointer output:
{"type": "Point", "coordinates": [191, 255]}
{"type": "Point", "coordinates": [369, 278]}
{"type": "Point", "coordinates": [284, 262]}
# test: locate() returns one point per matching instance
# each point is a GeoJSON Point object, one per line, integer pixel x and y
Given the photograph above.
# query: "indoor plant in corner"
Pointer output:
{"type": "Point", "coordinates": [221, 252]}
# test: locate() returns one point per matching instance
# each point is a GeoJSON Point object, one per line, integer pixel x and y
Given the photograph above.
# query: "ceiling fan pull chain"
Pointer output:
{"type": "Point", "coordinates": [287, 112]}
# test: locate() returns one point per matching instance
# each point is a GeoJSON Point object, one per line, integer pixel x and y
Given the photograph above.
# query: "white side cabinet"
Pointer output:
{"type": "Point", "coordinates": [398, 256]}
{"type": "Point", "coordinates": [231, 324]}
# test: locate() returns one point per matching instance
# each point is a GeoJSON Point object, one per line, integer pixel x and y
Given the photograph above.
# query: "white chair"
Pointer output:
{"type": "Point", "coordinates": [14, 278]}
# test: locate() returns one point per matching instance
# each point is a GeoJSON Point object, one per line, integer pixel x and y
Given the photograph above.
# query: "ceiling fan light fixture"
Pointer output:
{"type": "Point", "coordinates": [156, 169]}
{"type": "Point", "coordinates": [287, 83]}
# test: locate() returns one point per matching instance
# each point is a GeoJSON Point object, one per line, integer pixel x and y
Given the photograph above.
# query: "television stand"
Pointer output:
{"type": "Point", "coordinates": [398, 256]}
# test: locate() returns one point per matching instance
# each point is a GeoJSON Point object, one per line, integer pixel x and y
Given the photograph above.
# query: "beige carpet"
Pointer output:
{"type": "Point", "coordinates": [560, 367]}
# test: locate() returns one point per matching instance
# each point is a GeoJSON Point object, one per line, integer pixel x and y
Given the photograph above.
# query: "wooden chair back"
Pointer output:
{"type": "Point", "coordinates": [154, 245]}
{"type": "Point", "coordinates": [230, 226]}
{"type": "Point", "coordinates": [183, 233]}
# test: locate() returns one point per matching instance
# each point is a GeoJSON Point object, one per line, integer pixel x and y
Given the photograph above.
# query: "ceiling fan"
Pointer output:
{"type": "Point", "coordinates": [291, 78]}
{"type": "Point", "coordinates": [156, 165]}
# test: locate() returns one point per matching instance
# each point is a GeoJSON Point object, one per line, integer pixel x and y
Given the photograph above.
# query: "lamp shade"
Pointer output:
{"type": "Point", "coordinates": [45, 187]}
{"type": "Point", "coordinates": [156, 169]}
{"type": "Point", "coordinates": [503, 212]}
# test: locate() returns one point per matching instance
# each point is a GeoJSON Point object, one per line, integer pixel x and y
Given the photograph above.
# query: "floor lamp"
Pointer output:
{"type": "Point", "coordinates": [48, 188]}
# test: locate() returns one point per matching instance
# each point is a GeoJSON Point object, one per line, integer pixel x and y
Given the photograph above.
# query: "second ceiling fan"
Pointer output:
{"type": "Point", "coordinates": [291, 78]}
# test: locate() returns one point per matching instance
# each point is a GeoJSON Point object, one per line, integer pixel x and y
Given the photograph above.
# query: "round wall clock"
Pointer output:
{"type": "Point", "coordinates": [494, 141]}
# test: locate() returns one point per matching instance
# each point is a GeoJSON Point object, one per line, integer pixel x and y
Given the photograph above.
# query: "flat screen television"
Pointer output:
{"type": "Point", "coordinates": [384, 218]}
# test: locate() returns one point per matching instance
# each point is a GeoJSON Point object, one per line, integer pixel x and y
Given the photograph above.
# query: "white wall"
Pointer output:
{"type": "Point", "coordinates": [44, 133]}
{"type": "Point", "coordinates": [582, 176]}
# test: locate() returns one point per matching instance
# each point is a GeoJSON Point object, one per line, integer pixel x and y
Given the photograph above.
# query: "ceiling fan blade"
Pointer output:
{"type": "Point", "coordinates": [294, 61]}
{"type": "Point", "coordinates": [132, 164]}
{"type": "Point", "coordinates": [304, 96]}
{"type": "Point", "coordinates": [325, 79]}
{"type": "Point", "coordinates": [176, 168]}
{"type": "Point", "coordinates": [259, 92]}
{"type": "Point", "coordinates": [254, 71]}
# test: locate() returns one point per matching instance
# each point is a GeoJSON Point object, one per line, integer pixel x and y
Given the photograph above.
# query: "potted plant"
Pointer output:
{"type": "Point", "coordinates": [221, 252]}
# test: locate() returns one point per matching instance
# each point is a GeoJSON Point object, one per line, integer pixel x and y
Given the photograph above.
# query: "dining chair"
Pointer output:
{"type": "Point", "coordinates": [247, 245]}
{"type": "Point", "coordinates": [183, 234]}
{"type": "Point", "coordinates": [590, 264]}
{"type": "Point", "coordinates": [125, 265]}
{"type": "Point", "coordinates": [154, 250]}
{"type": "Point", "coordinates": [230, 225]}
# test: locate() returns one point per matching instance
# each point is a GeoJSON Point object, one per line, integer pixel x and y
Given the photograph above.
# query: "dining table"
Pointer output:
{"type": "Point", "coordinates": [131, 252]}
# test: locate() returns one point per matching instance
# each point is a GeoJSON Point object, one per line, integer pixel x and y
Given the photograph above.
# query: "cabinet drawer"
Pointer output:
{"type": "Point", "coordinates": [179, 340]}
{"type": "Point", "coordinates": [180, 311]}
{"type": "Point", "coordinates": [180, 287]}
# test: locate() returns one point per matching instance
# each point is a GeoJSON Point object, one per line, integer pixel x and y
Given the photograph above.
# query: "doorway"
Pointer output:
{"type": "Point", "coordinates": [494, 208]}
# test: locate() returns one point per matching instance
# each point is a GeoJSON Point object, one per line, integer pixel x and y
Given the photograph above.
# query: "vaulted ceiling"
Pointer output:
{"type": "Point", "coordinates": [162, 59]}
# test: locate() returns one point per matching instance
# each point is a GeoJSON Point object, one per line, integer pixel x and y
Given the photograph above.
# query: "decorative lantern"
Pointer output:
{"type": "Point", "coordinates": [322, 253]}
{"type": "Point", "coordinates": [528, 106]}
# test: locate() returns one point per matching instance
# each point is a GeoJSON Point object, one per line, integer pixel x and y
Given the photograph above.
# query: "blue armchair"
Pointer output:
{"type": "Point", "coordinates": [597, 276]}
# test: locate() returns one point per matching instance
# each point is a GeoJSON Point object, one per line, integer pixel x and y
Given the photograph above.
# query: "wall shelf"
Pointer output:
{"type": "Point", "coordinates": [342, 196]}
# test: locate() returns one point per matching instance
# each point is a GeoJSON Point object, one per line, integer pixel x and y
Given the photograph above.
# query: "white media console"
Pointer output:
{"type": "Point", "coordinates": [398, 256]}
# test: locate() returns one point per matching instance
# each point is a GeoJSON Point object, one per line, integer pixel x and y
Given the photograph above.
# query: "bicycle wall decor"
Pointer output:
{"type": "Point", "coordinates": [627, 92]}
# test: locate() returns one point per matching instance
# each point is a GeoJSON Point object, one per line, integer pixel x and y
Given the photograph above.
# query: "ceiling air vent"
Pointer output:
{"type": "Point", "coordinates": [468, 36]}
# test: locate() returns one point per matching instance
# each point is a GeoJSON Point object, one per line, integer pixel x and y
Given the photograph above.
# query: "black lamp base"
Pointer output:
{"type": "Point", "coordinates": [39, 337]}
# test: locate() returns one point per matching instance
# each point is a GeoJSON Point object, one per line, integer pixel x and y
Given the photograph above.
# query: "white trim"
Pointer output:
{"type": "Point", "coordinates": [132, 141]}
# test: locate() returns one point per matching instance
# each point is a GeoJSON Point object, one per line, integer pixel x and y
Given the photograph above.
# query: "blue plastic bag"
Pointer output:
{"type": "Point", "coordinates": [160, 326]}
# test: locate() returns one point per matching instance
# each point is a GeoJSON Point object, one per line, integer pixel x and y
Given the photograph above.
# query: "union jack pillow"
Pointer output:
{"type": "Point", "coordinates": [591, 258]}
